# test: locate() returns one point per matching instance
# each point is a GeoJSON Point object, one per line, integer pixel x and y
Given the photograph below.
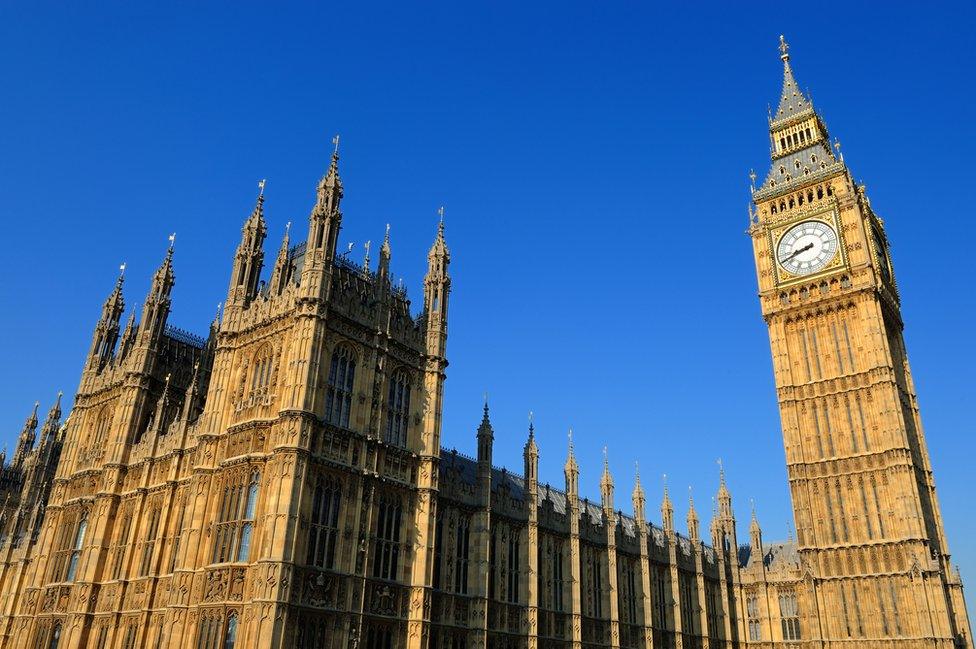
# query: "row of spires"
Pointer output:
{"type": "Point", "coordinates": [109, 341]}
{"type": "Point", "coordinates": [723, 519]}
{"type": "Point", "coordinates": [28, 434]}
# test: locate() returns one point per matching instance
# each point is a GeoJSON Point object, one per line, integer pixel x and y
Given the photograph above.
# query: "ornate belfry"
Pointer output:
{"type": "Point", "coordinates": [872, 564]}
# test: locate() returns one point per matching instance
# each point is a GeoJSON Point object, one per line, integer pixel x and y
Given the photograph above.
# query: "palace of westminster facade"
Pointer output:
{"type": "Point", "coordinates": [280, 482]}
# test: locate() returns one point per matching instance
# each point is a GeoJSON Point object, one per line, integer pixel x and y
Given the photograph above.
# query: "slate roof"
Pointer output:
{"type": "Point", "coordinates": [792, 101]}
{"type": "Point", "coordinates": [776, 556]}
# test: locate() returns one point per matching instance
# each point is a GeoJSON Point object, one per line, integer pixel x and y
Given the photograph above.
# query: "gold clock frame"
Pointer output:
{"type": "Point", "coordinates": [829, 217]}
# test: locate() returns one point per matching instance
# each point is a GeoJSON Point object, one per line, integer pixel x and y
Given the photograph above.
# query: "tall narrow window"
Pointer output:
{"type": "Point", "coordinates": [631, 591]}
{"type": "Point", "coordinates": [789, 616]}
{"type": "Point", "coordinates": [557, 576]}
{"type": "Point", "coordinates": [121, 541]}
{"type": "Point", "coordinates": [386, 558]}
{"type": "Point", "coordinates": [595, 579]}
{"type": "Point", "coordinates": [438, 550]}
{"type": "Point", "coordinates": [342, 374]}
{"type": "Point", "coordinates": [209, 631]}
{"type": "Point", "coordinates": [461, 556]}
{"type": "Point", "coordinates": [235, 519]}
{"type": "Point", "coordinates": [55, 637]}
{"type": "Point", "coordinates": [230, 634]}
{"type": "Point", "coordinates": [752, 614]}
{"type": "Point", "coordinates": [150, 543]}
{"type": "Point", "coordinates": [76, 548]}
{"type": "Point", "coordinates": [398, 409]}
{"type": "Point", "coordinates": [177, 535]}
{"type": "Point", "coordinates": [512, 580]}
{"type": "Point", "coordinates": [323, 529]}
{"type": "Point", "coordinates": [261, 374]}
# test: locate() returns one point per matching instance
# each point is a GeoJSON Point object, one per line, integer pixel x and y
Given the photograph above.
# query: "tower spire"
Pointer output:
{"type": "Point", "coordinates": [606, 484]}
{"type": "Point", "coordinates": [792, 101]}
{"type": "Point", "coordinates": [693, 529]}
{"type": "Point", "coordinates": [667, 508]}
{"type": "Point", "coordinates": [249, 258]}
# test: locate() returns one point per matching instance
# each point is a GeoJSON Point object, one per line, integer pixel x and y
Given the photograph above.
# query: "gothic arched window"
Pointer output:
{"type": "Point", "coordinates": [55, 637]}
{"type": "Point", "coordinates": [342, 375]}
{"type": "Point", "coordinates": [790, 616]}
{"type": "Point", "coordinates": [76, 548]}
{"type": "Point", "coordinates": [261, 374]}
{"type": "Point", "coordinates": [323, 531]}
{"type": "Point", "coordinates": [386, 558]}
{"type": "Point", "coordinates": [235, 522]}
{"type": "Point", "coordinates": [398, 409]}
{"type": "Point", "coordinates": [230, 634]}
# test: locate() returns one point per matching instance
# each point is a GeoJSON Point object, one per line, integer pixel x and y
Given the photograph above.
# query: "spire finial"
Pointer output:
{"type": "Point", "coordinates": [440, 213]}
{"type": "Point", "coordinates": [752, 181]}
{"type": "Point", "coordinates": [752, 504]}
{"type": "Point", "coordinates": [386, 237]}
{"type": "Point", "coordinates": [664, 479]}
{"type": "Point", "coordinates": [335, 141]}
{"type": "Point", "coordinates": [261, 184]}
{"type": "Point", "coordinates": [172, 241]}
{"type": "Point", "coordinates": [721, 472]}
{"type": "Point", "coordinates": [784, 48]}
{"type": "Point", "coordinates": [121, 270]}
{"type": "Point", "coordinates": [531, 425]}
{"type": "Point", "coordinates": [637, 470]}
{"type": "Point", "coordinates": [366, 257]}
{"type": "Point", "coordinates": [571, 442]}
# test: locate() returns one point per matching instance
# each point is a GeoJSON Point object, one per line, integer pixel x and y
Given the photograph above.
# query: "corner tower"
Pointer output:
{"type": "Point", "coordinates": [869, 529]}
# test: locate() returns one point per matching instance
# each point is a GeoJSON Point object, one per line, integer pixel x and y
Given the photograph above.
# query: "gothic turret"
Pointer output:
{"type": "Point", "coordinates": [606, 486]}
{"type": "Point", "coordinates": [49, 430]}
{"type": "Point", "coordinates": [755, 534]}
{"type": "Point", "coordinates": [693, 529]}
{"type": "Point", "coordinates": [639, 500]}
{"type": "Point", "coordinates": [155, 310]}
{"type": "Point", "coordinates": [323, 231]}
{"type": "Point", "coordinates": [437, 288]}
{"type": "Point", "coordinates": [486, 437]}
{"type": "Point", "coordinates": [530, 456]}
{"type": "Point", "coordinates": [27, 436]}
{"type": "Point", "coordinates": [571, 471]}
{"type": "Point", "coordinates": [667, 510]}
{"type": "Point", "coordinates": [249, 258]}
{"type": "Point", "coordinates": [107, 329]}
{"type": "Point", "coordinates": [281, 274]}
{"type": "Point", "coordinates": [383, 268]}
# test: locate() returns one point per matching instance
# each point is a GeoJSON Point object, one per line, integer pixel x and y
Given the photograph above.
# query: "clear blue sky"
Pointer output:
{"type": "Point", "coordinates": [593, 159]}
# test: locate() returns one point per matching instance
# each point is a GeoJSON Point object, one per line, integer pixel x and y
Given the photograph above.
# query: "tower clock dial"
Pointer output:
{"type": "Point", "coordinates": [806, 247]}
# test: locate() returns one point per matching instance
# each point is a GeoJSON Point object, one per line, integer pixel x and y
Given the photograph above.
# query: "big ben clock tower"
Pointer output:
{"type": "Point", "coordinates": [869, 530]}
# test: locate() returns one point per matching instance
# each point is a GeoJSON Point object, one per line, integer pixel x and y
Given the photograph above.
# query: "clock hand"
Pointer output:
{"type": "Point", "coordinates": [796, 252]}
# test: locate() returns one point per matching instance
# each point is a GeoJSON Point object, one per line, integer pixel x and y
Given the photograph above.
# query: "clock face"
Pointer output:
{"type": "Point", "coordinates": [806, 247]}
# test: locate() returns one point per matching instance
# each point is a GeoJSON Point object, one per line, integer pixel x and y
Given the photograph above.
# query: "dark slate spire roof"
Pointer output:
{"type": "Point", "coordinates": [792, 101]}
